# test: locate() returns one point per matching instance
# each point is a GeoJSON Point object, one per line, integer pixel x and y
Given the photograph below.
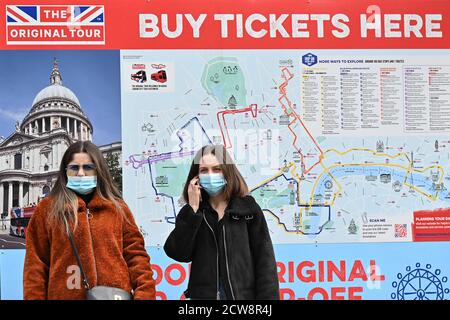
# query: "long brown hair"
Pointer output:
{"type": "Point", "coordinates": [65, 201]}
{"type": "Point", "coordinates": [236, 185]}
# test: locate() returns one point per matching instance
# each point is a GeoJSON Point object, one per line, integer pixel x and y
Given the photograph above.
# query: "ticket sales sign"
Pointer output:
{"type": "Point", "coordinates": [221, 24]}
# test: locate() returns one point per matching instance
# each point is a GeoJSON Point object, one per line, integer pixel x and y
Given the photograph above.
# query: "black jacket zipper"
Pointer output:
{"type": "Point", "coordinates": [217, 251]}
{"type": "Point", "coordinates": [226, 261]}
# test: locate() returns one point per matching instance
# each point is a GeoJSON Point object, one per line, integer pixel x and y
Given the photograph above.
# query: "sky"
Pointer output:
{"type": "Point", "coordinates": [94, 77]}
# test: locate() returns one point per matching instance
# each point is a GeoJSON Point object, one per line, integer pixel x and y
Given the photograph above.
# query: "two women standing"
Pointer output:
{"type": "Point", "coordinates": [221, 230]}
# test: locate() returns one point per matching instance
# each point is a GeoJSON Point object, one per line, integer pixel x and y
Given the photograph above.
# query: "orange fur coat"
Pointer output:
{"type": "Point", "coordinates": [116, 250]}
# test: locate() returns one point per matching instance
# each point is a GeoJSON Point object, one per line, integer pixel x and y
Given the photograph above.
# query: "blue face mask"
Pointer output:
{"type": "Point", "coordinates": [212, 183]}
{"type": "Point", "coordinates": [82, 185]}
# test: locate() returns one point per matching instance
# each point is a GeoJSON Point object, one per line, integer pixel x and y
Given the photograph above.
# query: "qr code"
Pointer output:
{"type": "Point", "coordinates": [400, 231]}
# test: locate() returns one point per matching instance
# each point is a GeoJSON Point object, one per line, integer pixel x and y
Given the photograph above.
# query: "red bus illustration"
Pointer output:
{"type": "Point", "coordinates": [159, 76]}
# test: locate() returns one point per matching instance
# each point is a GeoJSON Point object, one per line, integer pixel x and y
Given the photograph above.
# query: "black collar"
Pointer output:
{"type": "Point", "coordinates": [237, 206]}
{"type": "Point", "coordinates": [86, 197]}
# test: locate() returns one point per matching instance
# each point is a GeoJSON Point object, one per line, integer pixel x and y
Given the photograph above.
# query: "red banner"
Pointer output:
{"type": "Point", "coordinates": [431, 225]}
{"type": "Point", "coordinates": [225, 24]}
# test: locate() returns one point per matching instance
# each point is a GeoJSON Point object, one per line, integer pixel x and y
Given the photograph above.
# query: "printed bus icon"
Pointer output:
{"type": "Point", "coordinates": [159, 76]}
{"type": "Point", "coordinates": [139, 76]}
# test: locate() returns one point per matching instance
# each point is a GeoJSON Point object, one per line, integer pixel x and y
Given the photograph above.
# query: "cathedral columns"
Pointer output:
{"type": "Point", "coordinates": [52, 160]}
{"type": "Point", "coordinates": [2, 190]}
{"type": "Point", "coordinates": [82, 132]}
{"type": "Point", "coordinates": [75, 129]}
{"type": "Point", "coordinates": [30, 194]}
{"type": "Point", "coordinates": [21, 194]}
{"type": "Point", "coordinates": [10, 196]}
{"type": "Point", "coordinates": [58, 153]}
{"type": "Point", "coordinates": [32, 151]}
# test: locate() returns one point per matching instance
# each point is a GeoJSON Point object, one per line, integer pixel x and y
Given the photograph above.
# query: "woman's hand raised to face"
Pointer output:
{"type": "Point", "coordinates": [194, 193]}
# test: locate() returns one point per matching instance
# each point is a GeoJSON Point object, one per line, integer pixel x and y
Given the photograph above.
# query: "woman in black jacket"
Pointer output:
{"type": "Point", "coordinates": [223, 232]}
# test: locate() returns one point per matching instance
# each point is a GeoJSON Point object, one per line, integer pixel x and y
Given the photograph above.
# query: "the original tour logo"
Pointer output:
{"type": "Point", "coordinates": [55, 24]}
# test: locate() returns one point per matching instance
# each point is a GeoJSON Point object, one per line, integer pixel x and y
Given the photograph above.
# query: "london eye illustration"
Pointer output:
{"type": "Point", "coordinates": [420, 284]}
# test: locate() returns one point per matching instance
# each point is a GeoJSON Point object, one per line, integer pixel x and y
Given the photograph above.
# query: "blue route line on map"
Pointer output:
{"type": "Point", "coordinates": [170, 155]}
{"type": "Point", "coordinates": [299, 205]}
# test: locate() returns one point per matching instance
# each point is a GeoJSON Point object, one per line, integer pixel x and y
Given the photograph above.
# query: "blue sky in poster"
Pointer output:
{"type": "Point", "coordinates": [94, 77]}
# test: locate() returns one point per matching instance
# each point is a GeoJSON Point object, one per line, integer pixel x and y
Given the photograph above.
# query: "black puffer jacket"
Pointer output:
{"type": "Point", "coordinates": [251, 271]}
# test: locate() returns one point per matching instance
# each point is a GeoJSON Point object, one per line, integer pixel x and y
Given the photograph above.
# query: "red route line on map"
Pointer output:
{"type": "Point", "coordinates": [287, 75]}
{"type": "Point", "coordinates": [253, 108]}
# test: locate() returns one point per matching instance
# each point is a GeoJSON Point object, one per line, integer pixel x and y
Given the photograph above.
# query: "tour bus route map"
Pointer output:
{"type": "Point", "coordinates": [328, 150]}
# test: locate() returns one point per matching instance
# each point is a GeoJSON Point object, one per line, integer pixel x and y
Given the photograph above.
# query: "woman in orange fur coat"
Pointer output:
{"type": "Point", "coordinates": [109, 243]}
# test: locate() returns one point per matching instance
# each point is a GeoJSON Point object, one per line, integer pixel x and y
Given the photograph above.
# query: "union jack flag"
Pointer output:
{"type": "Point", "coordinates": [88, 14]}
{"type": "Point", "coordinates": [55, 24]}
{"type": "Point", "coordinates": [21, 14]}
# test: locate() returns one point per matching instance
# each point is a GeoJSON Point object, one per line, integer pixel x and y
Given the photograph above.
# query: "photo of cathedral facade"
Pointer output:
{"type": "Point", "coordinates": [30, 156]}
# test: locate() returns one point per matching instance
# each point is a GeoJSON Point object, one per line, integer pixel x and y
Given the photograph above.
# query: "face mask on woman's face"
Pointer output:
{"type": "Point", "coordinates": [212, 183]}
{"type": "Point", "coordinates": [82, 184]}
